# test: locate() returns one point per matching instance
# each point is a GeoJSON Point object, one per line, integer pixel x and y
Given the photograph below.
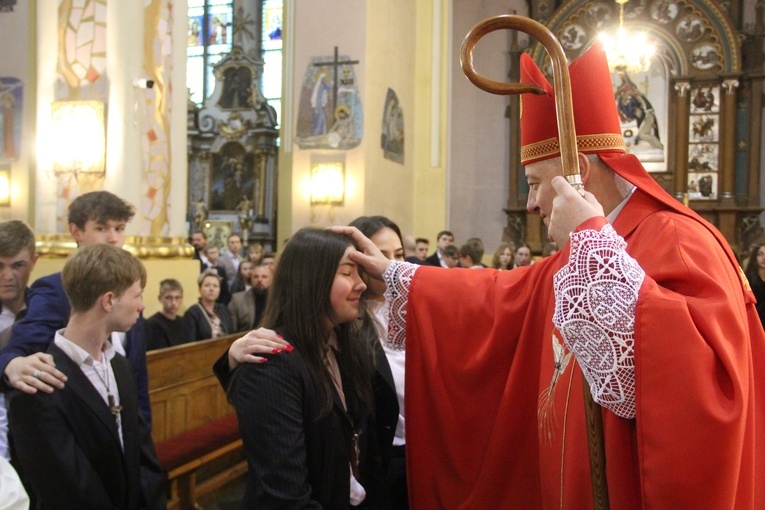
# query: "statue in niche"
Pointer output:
{"type": "Point", "coordinates": [200, 214]}
{"type": "Point", "coordinates": [633, 105]}
{"type": "Point", "coordinates": [237, 85]}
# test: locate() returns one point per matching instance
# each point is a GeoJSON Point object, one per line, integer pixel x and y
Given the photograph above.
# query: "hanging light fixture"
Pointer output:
{"type": "Point", "coordinates": [627, 52]}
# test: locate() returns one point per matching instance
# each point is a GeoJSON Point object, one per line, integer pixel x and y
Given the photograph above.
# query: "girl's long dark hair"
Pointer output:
{"type": "Point", "coordinates": [752, 273]}
{"type": "Point", "coordinates": [299, 305]}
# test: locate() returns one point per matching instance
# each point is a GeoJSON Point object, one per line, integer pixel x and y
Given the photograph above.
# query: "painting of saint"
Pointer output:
{"type": "Point", "coordinates": [329, 113]}
{"type": "Point", "coordinates": [10, 118]}
{"type": "Point", "coordinates": [232, 177]}
{"type": "Point", "coordinates": [392, 139]}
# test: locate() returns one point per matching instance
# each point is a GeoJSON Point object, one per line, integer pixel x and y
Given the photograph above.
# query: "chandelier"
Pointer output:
{"type": "Point", "coordinates": [625, 51]}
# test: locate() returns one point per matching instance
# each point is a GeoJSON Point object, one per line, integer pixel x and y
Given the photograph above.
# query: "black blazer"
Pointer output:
{"type": "Point", "coordinates": [295, 459]}
{"type": "Point", "coordinates": [199, 326]}
{"type": "Point", "coordinates": [67, 449]}
{"type": "Point", "coordinates": [433, 260]}
{"type": "Point", "coordinates": [386, 399]}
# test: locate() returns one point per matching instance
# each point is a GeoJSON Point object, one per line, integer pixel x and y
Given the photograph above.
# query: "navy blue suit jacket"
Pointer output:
{"type": "Point", "coordinates": [48, 311]}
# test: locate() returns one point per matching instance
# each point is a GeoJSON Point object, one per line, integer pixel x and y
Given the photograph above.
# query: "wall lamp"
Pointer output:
{"type": "Point", "coordinates": [5, 187]}
{"type": "Point", "coordinates": [327, 183]}
{"type": "Point", "coordinates": [78, 137]}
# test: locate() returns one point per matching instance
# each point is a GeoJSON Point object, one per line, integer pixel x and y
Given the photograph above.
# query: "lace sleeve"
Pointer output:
{"type": "Point", "coordinates": [398, 278]}
{"type": "Point", "coordinates": [595, 298]}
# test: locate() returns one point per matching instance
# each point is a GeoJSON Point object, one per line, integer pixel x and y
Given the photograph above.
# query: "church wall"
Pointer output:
{"type": "Point", "coordinates": [137, 45]}
{"type": "Point", "coordinates": [17, 38]}
{"type": "Point", "coordinates": [390, 52]}
{"type": "Point", "coordinates": [479, 131]}
{"type": "Point", "coordinates": [319, 26]}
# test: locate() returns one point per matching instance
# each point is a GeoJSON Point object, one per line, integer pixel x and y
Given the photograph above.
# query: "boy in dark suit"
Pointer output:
{"type": "Point", "coordinates": [98, 217]}
{"type": "Point", "coordinates": [87, 446]}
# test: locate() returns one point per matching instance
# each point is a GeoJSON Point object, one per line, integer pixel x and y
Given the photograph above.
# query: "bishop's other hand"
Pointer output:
{"type": "Point", "coordinates": [570, 210]}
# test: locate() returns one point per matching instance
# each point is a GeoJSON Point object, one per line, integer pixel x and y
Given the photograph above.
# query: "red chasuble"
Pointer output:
{"type": "Point", "coordinates": [480, 352]}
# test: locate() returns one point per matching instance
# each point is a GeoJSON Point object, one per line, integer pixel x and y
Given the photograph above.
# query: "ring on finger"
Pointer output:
{"type": "Point", "coordinates": [37, 374]}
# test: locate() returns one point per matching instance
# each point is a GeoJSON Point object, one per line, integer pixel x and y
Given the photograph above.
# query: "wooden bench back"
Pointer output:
{"type": "Point", "coordinates": [183, 390]}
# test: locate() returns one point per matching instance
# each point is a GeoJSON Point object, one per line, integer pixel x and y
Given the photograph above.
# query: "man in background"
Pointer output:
{"type": "Point", "coordinates": [87, 445]}
{"type": "Point", "coordinates": [199, 242]}
{"type": "Point", "coordinates": [98, 217]}
{"type": "Point", "coordinates": [17, 260]}
{"type": "Point", "coordinates": [470, 255]}
{"type": "Point", "coordinates": [230, 259]}
{"type": "Point", "coordinates": [445, 238]}
{"type": "Point", "coordinates": [420, 251]}
{"type": "Point", "coordinates": [247, 306]}
{"type": "Point", "coordinates": [166, 328]}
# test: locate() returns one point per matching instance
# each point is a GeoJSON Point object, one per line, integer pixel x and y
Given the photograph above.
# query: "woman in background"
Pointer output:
{"type": "Point", "coordinates": [243, 274]}
{"type": "Point", "coordinates": [755, 273]}
{"type": "Point", "coordinates": [389, 366]}
{"type": "Point", "coordinates": [305, 417]}
{"type": "Point", "coordinates": [207, 318]}
{"type": "Point", "coordinates": [503, 257]}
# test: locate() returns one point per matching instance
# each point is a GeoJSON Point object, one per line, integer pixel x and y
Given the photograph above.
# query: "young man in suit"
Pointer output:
{"type": "Point", "coordinates": [445, 238]}
{"type": "Point", "coordinates": [98, 217]}
{"type": "Point", "coordinates": [87, 446]}
{"type": "Point", "coordinates": [17, 260]}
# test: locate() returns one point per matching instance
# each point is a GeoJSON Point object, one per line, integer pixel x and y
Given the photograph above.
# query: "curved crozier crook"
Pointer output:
{"type": "Point", "coordinates": [561, 82]}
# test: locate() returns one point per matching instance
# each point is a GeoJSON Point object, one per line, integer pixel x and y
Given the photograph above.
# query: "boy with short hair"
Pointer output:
{"type": "Point", "coordinates": [166, 328]}
{"type": "Point", "coordinates": [86, 446]}
{"type": "Point", "coordinates": [97, 217]}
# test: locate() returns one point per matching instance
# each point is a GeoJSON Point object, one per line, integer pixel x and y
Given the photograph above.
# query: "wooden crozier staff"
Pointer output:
{"type": "Point", "coordinates": [567, 138]}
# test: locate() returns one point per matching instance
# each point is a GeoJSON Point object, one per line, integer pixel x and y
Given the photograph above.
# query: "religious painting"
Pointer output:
{"type": "Point", "coordinates": [219, 27]}
{"type": "Point", "coordinates": [702, 186]}
{"type": "Point", "coordinates": [664, 11]}
{"type": "Point", "coordinates": [598, 14]}
{"type": "Point", "coordinates": [705, 56]}
{"type": "Point", "coordinates": [232, 177]}
{"type": "Point", "coordinates": [194, 37]}
{"type": "Point", "coordinates": [641, 101]}
{"type": "Point", "coordinates": [690, 28]}
{"type": "Point", "coordinates": [199, 187]}
{"type": "Point", "coordinates": [237, 88]}
{"type": "Point", "coordinates": [10, 118]}
{"type": "Point", "coordinates": [392, 138]}
{"type": "Point", "coordinates": [704, 128]}
{"type": "Point", "coordinates": [705, 99]}
{"type": "Point", "coordinates": [330, 114]}
{"type": "Point", "coordinates": [702, 157]}
{"type": "Point", "coordinates": [572, 37]}
{"type": "Point", "coordinates": [217, 232]}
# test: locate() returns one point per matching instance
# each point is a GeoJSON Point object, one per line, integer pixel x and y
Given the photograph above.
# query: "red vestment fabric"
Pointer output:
{"type": "Point", "coordinates": [479, 353]}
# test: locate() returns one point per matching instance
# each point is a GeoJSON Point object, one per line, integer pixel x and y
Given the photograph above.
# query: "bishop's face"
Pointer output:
{"type": "Point", "coordinates": [541, 192]}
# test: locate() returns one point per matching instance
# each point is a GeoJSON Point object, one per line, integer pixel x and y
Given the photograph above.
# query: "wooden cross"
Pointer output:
{"type": "Point", "coordinates": [335, 63]}
{"type": "Point", "coordinates": [113, 408]}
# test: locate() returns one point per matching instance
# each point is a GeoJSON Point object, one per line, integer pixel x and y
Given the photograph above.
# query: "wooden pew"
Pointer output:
{"type": "Point", "coordinates": [194, 428]}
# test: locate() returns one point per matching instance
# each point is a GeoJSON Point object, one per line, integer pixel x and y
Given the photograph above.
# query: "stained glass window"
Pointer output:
{"type": "Point", "coordinates": [271, 43]}
{"type": "Point", "coordinates": [209, 38]}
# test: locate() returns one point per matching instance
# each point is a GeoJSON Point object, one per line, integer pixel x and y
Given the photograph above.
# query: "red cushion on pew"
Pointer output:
{"type": "Point", "coordinates": [195, 443]}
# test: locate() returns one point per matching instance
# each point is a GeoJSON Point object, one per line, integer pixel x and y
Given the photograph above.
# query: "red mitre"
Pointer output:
{"type": "Point", "coordinates": [595, 116]}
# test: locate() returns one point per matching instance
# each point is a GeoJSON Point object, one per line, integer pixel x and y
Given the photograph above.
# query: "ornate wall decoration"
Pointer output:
{"type": "Point", "coordinates": [154, 106]}
{"type": "Point", "coordinates": [330, 114]}
{"type": "Point", "coordinates": [232, 154]}
{"type": "Point", "coordinates": [11, 93]}
{"type": "Point", "coordinates": [392, 139]}
{"type": "Point", "coordinates": [81, 70]}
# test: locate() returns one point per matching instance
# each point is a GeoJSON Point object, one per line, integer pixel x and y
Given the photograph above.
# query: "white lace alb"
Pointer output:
{"type": "Point", "coordinates": [595, 298]}
{"type": "Point", "coordinates": [398, 278]}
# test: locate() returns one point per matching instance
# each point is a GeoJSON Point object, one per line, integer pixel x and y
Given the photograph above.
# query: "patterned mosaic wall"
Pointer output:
{"type": "Point", "coordinates": [154, 107]}
{"type": "Point", "coordinates": [81, 70]}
